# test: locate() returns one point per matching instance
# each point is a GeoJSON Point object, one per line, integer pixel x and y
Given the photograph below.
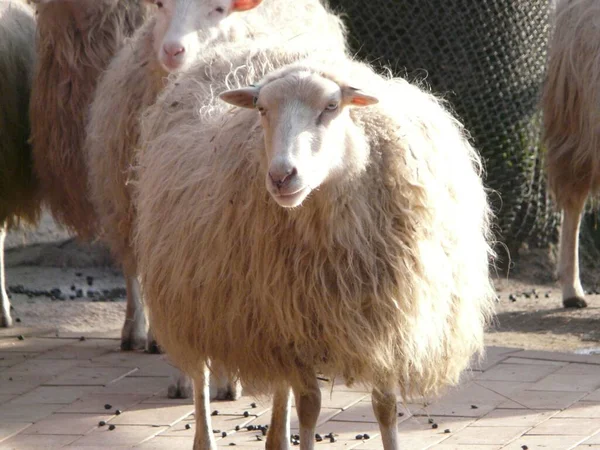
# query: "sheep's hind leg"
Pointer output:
{"type": "Point", "coordinates": [308, 406]}
{"type": "Point", "coordinates": [180, 386]}
{"type": "Point", "coordinates": [385, 408]}
{"type": "Point", "coordinates": [278, 436]}
{"type": "Point", "coordinates": [133, 335]}
{"type": "Point", "coordinates": [203, 439]}
{"type": "Point", "coordinates": [568, 264]}
{"type": "Point", "coordinates": [221, 386]}
{"type": "Point", "coordinates": [5, 318]}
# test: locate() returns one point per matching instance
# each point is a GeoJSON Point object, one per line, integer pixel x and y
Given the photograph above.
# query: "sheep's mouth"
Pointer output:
{"type": "Point", "coordinates": [291, 199]}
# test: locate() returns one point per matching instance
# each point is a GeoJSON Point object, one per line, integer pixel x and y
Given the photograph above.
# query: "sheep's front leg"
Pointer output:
{"type": "Point", "coordinates": [384, 406]}
{"type": "Point", "coordinates": [133, 335]}
{"type": "Point", "coordinates": [568, 264]}
{"type": "Point", "coordinates": [278, 436]}
{"type": "Point", "coordinates": [203, 439]}
{"type": "Point", "coordinates": [5, 318]}
{"type": "Point", "coordinates": [308, 406]}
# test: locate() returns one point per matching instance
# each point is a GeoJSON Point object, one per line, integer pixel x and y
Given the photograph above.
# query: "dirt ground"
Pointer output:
{"type": "Point", "coordinates": [48, 261]}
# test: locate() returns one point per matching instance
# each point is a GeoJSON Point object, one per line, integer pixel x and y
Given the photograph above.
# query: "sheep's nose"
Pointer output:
{"type": "Point", "coordinates": [281, 177]}
{"type": "Point", "coordinates": [173, 49]}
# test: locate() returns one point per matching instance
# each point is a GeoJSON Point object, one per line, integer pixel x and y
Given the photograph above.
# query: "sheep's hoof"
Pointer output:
{"type": "Point", "coordinates": [182, 387]}
{"type": "Point", "coordinates": [6, 322]}
{"type": "Point", "coordinates": [153, 348]}
{"type": "Point", "coordinates": [230, 391]}
{"type": "Point", "coordinates": [574, 302]}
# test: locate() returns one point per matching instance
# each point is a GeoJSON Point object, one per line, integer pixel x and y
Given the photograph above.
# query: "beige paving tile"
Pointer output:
{"type": "Point", "coordinates": [545, 442]}
{"type": "Point", "coordinates": [587, 447]}
{"type": "Point", "coordinates": [94, 403]}
{"type": "Point", "coordinates": [153, 415]}
{"type": "Point", "coordinates": [52, 394]}
{"type": "Point", "coordinates": [10, 413]}
{"type": "Point", "coordinates": [543, 400]}
{"type": "Point", "coordinates": [90, 376]}
{"type": "Point", "coordinates": [325, 415]}
{"type": "Point", "coordinates": [339, 399]}
{"type": "Point", "coordinates": [593, 397]}
{"type": "Point", "coordinates": [9, 359]}
{"type": "Point", "coordinates": [519, 360]}
{"type": "Point", "coordinates": [594, 440]}
{"type": "Point", "coordinates": [157, 367]}
{"type": "Point", "coordinates": [116, 358]}
{"type": "Point", "coordinates": [567, 426]}
{"type": "Point", "coordinates": [122, 435]}
{"type": "Point", "coordinates": [582, 409]}
{"type": "Point", "coordinates": [80, 350]}
{"type": "Point", "coordinates": [161, 397]}
{"type": "Point", "coordinates": [557, 356]}
{"type": "Point", "coordinates": [513, 417]}
{"type": "Point", "coordinates": [40, 367]}
{"type": "Point", "coordinates": [67, 424]}
{"type": "Point", "coordinates": [485, 435]}
{"type": "Point", "coordinates": [517, 372]}
{"type": "Point", "coordinates": [405, 441]}
{"type": "Point", "coordinates": [8, 429]}
{"type": "Point", "coordinates": [167, 443]}
{"type": "Point", "coordinates": [36, 442]}
{"type": "Point", "coordinates": [238, 407]}
{"type": "Point", "coordinates": [493, 356]}
{"type": "Point", "coordinates": [5, 398]}
{"type": "Point", "coordinates": [568, 382]}
{"type": "Point", "coordinates": [19, 384]}
{"type": "Point", "coordinates": [451, 410]}
{"type": "Point", "coordinates": [420, 425]}
{"type": "Point", "coordinates": [504, 388]}
{"type": "Point", "coordinates": [130, 385]}
{"type": "Point", "coordinates": [363, 412]}
{"type": "Point", "coordinates": [443, 446]}
{"type": "Point", "coordinates": [218, 424]}
{"type": "Point", "coordinates": [35, 345]}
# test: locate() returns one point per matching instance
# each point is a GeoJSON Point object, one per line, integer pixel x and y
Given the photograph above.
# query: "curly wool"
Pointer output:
{"type": "Point", "coordinates": [382, 275]}
{"type": "Point", "coordinates": [19, 195]}
{"type": "Point", "coordinates": [133, 81]}
{"type": "Point", "coordinates": [570, 101]}
{"type": "Point", "coordinates": [75, 44]}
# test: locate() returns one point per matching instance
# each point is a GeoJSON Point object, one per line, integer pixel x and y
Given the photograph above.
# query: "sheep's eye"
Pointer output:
{"type": "Point", "coordinates": [332, 106]}
{"type": "Point", "coordinates": [159, 4]}
{"type": "Point", "coordinates": [220, 10]}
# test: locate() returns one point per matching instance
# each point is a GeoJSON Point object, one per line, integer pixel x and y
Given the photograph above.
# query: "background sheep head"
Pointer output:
{"type": "Point", "coordinates": [309, 135]}
{"type": "Point", "coordinates": [184, 26]}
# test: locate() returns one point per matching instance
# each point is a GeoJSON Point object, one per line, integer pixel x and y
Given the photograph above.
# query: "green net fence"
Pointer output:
{"type": "Point", "coordinates": [487, 58]}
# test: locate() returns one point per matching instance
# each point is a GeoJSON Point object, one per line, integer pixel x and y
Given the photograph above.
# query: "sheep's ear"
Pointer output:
{"type": "Point", "coordinates": [244, 97]}
{"type": "Point", "coordinates": [244, 5]}
{"type": "Point", "coordinates": [357, 97]}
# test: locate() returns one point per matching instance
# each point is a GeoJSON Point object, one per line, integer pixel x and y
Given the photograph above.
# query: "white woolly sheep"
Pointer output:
{"type": "Point", "coordinates": [570, 106]}
{"type": "Point", "coordinates": [19, 196]}
{"type": "Point", "coordinates": [75, 43]}
{"type": "Point", "coordinates": [365, 256]}
{"type": "Point", "coordinates": [138, 74]}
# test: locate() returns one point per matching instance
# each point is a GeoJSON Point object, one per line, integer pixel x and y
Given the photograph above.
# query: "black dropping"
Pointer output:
{"type": "Point", "coordinates": [214, 413]}
{"type": "Point", "coordinates": [366, 436]}
{"type": "Point", "coordinates": [232, 443]}
{"type": "Point", "coordinates": [434, 426]}
{"type": "Point", "coordinates": [258, 437]}
{"type": "Point", "coordinates": [358, 437]}
{"type": "Point", "coordinates": [224, 434]}
{"type": "Point", "coordinates": [400, 414]}
{"type": "Point", "coordinates": [101, 423]}
{"type": "Point", "coordinates": [82, 338]}
{"type": "Point", "coordinates": [253, 405]}
{"type": "Point", "coordinates": [187, 426]}
{"type": "Point", "coordinates": [430, 420]}
{"type": "Point", "coordinates": [447, 430]}
{"type": "Point", "coordinates": [237, 428]}
{"type": "Point", "coordinates": [18, 320]}
{"type": "Point", "coordinates": [512, 298]}
{"type": "Point", "coordinates": [111, 427]}
{"type": "Point", "coordinates": [474, 407]}
{"type": "Point", "coordinates": [216, 431]}
{"type": "Point", "coordinates": [318, 437]}
{"type": "Point", "coordinates": [107, 406]}
{"type": "Point", "coordinates": [246, 413]}
{"type": "Point", "coordinates": [250, 428]}
{"type": "Point", "coordinates": [90, 280]}
{"type": "Point", "coordinates": [524, 447]}
{"type": "Point", "coordinates": [331, 439]}
{"type": "Point", "coordinates": [78, 274]}
{"type": "Point", "coordinates": [21, 337]}
{"type": "Point", "coordinates": [118, 412]}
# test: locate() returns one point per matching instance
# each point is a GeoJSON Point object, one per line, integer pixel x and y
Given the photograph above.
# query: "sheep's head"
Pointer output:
{"type": "Point", "coordinates": [307, 130]}
{"type": "Point", "coordinates": [184, 26]}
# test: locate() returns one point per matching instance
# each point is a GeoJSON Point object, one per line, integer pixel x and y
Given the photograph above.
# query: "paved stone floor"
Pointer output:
{"type": "Point", "coordinates": [53, 393]}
